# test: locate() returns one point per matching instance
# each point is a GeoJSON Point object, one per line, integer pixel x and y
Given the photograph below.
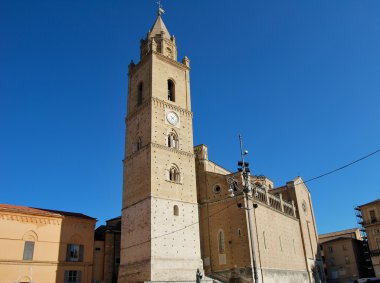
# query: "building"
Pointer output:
{"type": "Point", "coordinates": [43, 245]}
{"type": "Point", "coordinates": [176, 211]}
{"type": "Point", "coordinates": [107, 251]}
{"type": "Point", "coordinates": [159, 189]}
{"type": "Point", "coordinates": [343, 256]}
{"type": "Point", "coordinates": [370, 220]}
{"type": "Point", "coordinates": [285, 234]}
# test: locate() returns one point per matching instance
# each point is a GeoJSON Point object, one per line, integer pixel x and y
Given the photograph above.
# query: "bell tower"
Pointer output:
{"type": "Point", "coordinates": [160, 230]}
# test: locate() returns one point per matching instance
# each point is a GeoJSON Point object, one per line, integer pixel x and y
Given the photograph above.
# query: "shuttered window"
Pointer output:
{"type": "Point", "coordinates": [74, 252]}
{"type": "Point", "coordinates": [28, 250]}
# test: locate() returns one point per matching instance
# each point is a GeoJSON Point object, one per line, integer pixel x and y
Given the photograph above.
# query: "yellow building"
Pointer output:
{"type": "Point", "coordinates": [45, 246]}
{"type": "Point", "coordinates": [370, 213]}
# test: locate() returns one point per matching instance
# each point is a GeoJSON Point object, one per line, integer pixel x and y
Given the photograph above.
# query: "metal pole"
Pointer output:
{"type": "Point", "coordinates": [247, 194]}
{"type": "Point", "coordinates": [250, 207]}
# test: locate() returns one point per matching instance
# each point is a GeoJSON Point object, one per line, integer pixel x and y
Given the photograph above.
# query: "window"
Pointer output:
{"type": "Point", "coordinates": [217, 189]}
{"type": "Point", "coordinates": [330, 249]}
{"type": "Point", "coordinates": [221, 242]}
{"type": "Point", "coordinates": [171, 91]}
{"type": "Point", "coordinates": [175, 210]}
{"type": "Point", "coordinates": [372, 215]}
{"type": "Point", "coordinates": [344, 247]}
{"type": "Point", "coordinates": [73, 276]}
{"type": "Point", "coordinates": [74, 253]}
{"type": "Point", "coordinates": [28, 250]}
{"type": "Point", "coordinates": [137, 145]}
{"type": "Point", "coordinates": [239, 232]}
{"type": "Point", "coordinates": [117, 260]}
{"type": "Point", "coordinates": [174, 174]}
{"type": "Point", "coordinates": [139, 94]}
{"type": "Point", "coordinates": [172, 140]}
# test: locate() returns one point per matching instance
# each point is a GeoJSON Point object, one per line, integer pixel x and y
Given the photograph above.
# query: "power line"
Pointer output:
{"type": "Point", "coordinates": [209, 216]}
{"type": "Point", "coordinates": [342, 167]}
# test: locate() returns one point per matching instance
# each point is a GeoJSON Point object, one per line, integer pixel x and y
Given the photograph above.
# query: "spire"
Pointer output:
{"type": "Point", "coordinates": [159, 28]}
{"type": "Point", "coordinates": [159, 39]}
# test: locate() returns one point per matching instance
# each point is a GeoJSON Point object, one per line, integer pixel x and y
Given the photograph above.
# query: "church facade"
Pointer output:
{"type": "Point", "coordinates": [177, 217]}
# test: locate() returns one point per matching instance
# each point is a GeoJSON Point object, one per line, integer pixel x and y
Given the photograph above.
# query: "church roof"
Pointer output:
{"type": "Point", "coordinates": [159, 27]}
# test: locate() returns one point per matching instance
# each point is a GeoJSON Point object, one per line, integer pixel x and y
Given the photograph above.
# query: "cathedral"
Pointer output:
{"type": "Point", "coordinates": [178, 219]}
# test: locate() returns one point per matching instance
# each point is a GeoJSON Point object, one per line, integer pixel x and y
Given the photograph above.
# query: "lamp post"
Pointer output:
{"type": "Point", "coordinates": [247, 191]}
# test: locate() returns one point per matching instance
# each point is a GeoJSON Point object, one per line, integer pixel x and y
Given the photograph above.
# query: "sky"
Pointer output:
{"type": "Point", "coordinates": [300, 80]}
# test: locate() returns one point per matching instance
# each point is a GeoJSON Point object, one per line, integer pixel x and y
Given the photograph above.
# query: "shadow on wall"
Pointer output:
{"type": "Point", "coordinates": [75, 252]}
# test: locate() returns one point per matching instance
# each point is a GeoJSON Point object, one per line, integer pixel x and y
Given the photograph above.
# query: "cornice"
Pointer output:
{"type": "Point", "coordinates": [160, 56]}
{"type": "Point", "coordinates": [158, 102]}
{"type": "Point", "coordinates": [171, 61]}
{"type": "Point", "coordinates": [30, 218]}
{"type": "Point", "coordinates": [181, 152]}
{"type": "Point", "coordinates": [155, 145]}
{"type": "Point", "coordinates": [162, 103]}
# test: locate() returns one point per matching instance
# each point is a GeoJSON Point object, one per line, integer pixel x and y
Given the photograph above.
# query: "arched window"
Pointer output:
{"type": "Point", "coordinates": [171, 91]}
{"type": "Point", "coordinates": [136, 146]}
{"type": "Point", "coordinates": [176, 210]}
{"type": "Point", "coordinates": [172, 140]}
{"type": "Point", "coordinates": [139, 144]}
{"type": "Point", "coordinates": [221, 241]}
{"type": "Point", "coordinates": [30, 238]}
{"type": "Point", "coordinates": [174, 174]}
{"type": "Point", "coordinates": [139, 94]}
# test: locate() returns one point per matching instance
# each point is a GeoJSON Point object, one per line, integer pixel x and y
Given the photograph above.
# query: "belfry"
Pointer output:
{"type": "Point", "coordinates": [160, 226]}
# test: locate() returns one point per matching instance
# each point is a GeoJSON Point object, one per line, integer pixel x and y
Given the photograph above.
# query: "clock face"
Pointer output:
{"type": "Point", "coordinates": [172, 118]}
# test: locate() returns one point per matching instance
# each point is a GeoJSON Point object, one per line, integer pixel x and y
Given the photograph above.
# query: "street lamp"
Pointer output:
{"type": "Point", "coordinates": [247, 191]}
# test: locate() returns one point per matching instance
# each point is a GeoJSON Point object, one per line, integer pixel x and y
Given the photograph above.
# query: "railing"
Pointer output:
{"type": "Point", "coordinates": [274, 201]}
{"type": "Point", "coordinates": [288, 208]}
{"type": "Point", "coordinates": [260, 195]}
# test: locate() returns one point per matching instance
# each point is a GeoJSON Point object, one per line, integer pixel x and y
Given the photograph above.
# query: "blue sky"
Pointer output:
{"type": "Point", "coordinates": [298, 79]}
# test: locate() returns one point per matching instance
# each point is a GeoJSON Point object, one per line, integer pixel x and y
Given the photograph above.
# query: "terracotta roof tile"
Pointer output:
{"type": "Point", "coordinates": [41, 211]}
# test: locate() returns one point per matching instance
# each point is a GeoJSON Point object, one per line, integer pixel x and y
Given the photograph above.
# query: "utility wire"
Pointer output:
{"type": "Point", "coordinates": [342, 167]}
{"type": "Point", "coordinates": [209, 216]}
{"type": "Point", "coordinates": [183, 228]}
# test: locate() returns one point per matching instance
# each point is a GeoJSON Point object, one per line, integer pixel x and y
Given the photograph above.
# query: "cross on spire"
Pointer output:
{"type": "Point", "coordinates": [160, 10]}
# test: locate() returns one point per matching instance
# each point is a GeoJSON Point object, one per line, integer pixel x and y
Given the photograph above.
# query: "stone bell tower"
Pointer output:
{"type": "Point", "coordinates": [160, 230]}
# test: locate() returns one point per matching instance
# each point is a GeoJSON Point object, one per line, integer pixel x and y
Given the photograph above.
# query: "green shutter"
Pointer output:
{"type": "Point", "coordinates": [66, 277]}
{"type": "Point", "coordinates": [81, 252]}
{"type": "Point", "coordinates": [79, 276]}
